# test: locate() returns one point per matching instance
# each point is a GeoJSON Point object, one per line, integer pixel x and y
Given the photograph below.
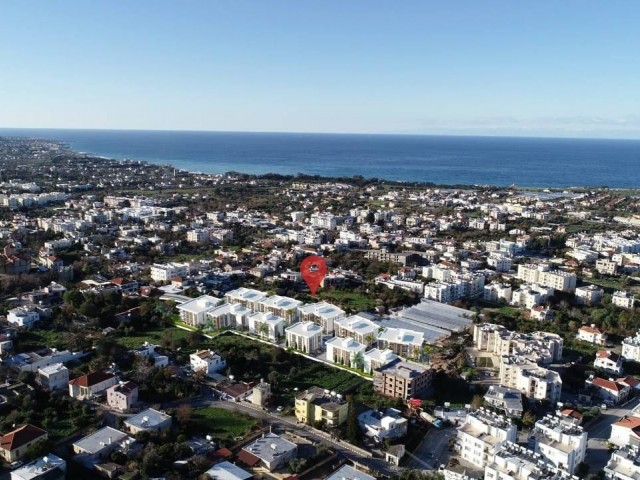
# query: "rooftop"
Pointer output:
{"type": "Point", "coordinates": [96, 441]}
{"type": "Point", "coordinates": [269, 447]}
{"type": "Point", "coordinates": [148, 418]}
{"type": "Point", "coordinates": [38, 468]}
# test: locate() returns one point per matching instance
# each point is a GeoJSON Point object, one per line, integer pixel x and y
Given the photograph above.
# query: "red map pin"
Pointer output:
{"type": "Point", "coordinates": [313, 270]}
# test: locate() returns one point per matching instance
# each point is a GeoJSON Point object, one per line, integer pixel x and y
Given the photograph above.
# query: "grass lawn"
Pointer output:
{"type": "Point", "coordinates": [325, 377]}
{"type": "Point", "coordinates": [222, 424]}
{"type": "Point", "coordinates": [484, 362]}
{"type": "Point", "coordinates": [151, 336]}
{"type": "Point", "coordinates": [348, 300]}
{"type": "Point", "coordinates": [35, 339]}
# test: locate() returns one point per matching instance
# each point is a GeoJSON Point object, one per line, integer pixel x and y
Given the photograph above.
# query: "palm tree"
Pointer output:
{"type": "Point", "coordinates": [263, 329]}
{"type": "Point", "coordinates": [358, 361]}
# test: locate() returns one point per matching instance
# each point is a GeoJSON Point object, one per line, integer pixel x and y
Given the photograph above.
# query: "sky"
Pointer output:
{"type": "Point", "coordinates": [490, 67]}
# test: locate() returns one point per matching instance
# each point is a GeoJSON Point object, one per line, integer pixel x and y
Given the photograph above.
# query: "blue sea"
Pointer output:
{"type": "Point", "coordinates": [446, 160]}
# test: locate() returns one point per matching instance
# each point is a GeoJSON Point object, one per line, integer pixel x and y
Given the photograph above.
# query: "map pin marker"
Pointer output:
{"type": "Point", "coordinates": [313, 270]}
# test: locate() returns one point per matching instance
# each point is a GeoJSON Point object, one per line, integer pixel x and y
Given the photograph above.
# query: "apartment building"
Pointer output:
{"type": "Point", "coordinates": [506, 400]}
{"type": "Point", "coordinates": [284, 307]}
{"type": "Point", "coordinates": [623, 299]}
{"type": "Point", "coordinates": [534, 382]}
{"type": "Point", "coordinates": [561, 443]}
{"type": "Point", "coordinates": [538, 347]}
{"type": "Point", "coordinates": [543, 275]}
{"type": "Point", "coordinates": [266, 325]}
{"type": "Point", "coordinates": [624, 463]}
{"type": "Point", "coordinates": [631, 348]}
{"type": "Point", "coordinates": [23, 317]}
{"type": "Point", "coordinates": [608, 361]}
{"type": "Point", "coordinates": [318, 405]}
{"type": "Point", "coordinates": [498, 292]}
{"type": "Point", "coordinates": [194, 311]}
{"type": "Point", "coordinates": [382, 425]}
{"type": "Point", "coordinates": [401, 379]}
{"type": "Point", "coordinates": [589, 295]}
{"type": "Point", "coordinates": [404, 343]}
{"type": "Point", "coordinates": [514, 462]}
{"type": "Point", "coordinates": [529, 296]}
{"type": "Point", "coordinates": [162, 273]}
{"type": "Point", "coordinates": [229, 315]}
{"type": "Point", "coordinates": [247, 297]}
{"type": "Point", "coordinates": [606, 267]}
{"type": "Point", "coordinates": [346, 351]}
{"type": "Point", "coordinates": [501, 263]}
{"type": "Point", "coordinates": [321, 313]}
{"type": "Point", "coordinates": [482, 435]}
{"type": "Point", "coordinates": [358, 327]}
{"type": "Point", "coordinates": [304, 336]}
{"type": "Point", "coordinates": [53, 377]}
{"type": "Point", "coordinates": [207, 362]}
{"type": "Point", "coordinates": [376, 358]}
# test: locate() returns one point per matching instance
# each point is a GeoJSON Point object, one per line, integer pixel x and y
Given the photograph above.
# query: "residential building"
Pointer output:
{"type": "Point", "coordinates": [261, 393]}
{"type": "Point", "coordinates": [53, 377]}
{"type": "Point", "coordinates": [535, 382]}
{"type": "Point", "coordinates": [482, 435]}
{"type": "Point", "coordinates": [207, 361]}
{"type": "Point", "coordinates": [247, 297]}
{"type": "Point", "coordinates": [149, 351]}
{"type": "Point", "coordinates": [49, 467]}
{"type": "Point", "coordinates": [592, 334]}
{"type": "Point", "coordinates": [318, 405]}
{"type": "Point", "coordinates": [375, 359]}
{"type": "Point", "coordinates": [347, 471]}
{"type": "Point", "coordinates": [228, 471]}
{"type": "Point", "coordinates": [304, 336]}
{"type": "Point", "coordinates": [148, 420]}
{"type": "Point", "coordinates": [625, 431]}
{"type": "Point", "coordinates": [501, 263]}
{"type": "Point", "coordinates": [609, 390]}
{"type": "Point", "coordinates": [608, 361]}
{"type": "Point", "coordinates": [514, 462]}
{"type": "Point", "coordinates": [284, 307]}
{"type": "Point", "coordinates": [543, 275]}
{"type": "Point", "coordinates": [404, 343]}
{"type": "Point", "coordinates": [346, 351]}
{"type": "Point", "coordinates": [266, 325]}
{"type": "Point", "coordinates": [322, 313]}
{"type": "Point", "coordinates": [14, 444]}
{"type": "Point", "coordinates": [623, 299]}
{"type": "Point", "coordinates": [23, 317]}
{"type": "Point", "coordinates": [529, 296]}
{"type": "Point", "coordinates": [537, 347]}
{"type": "Point", "coordinates": [270, 451]}
{"type": "Point", "coordinates": [122, 396]}
{"type": "Point", "coordinates": [91, 384]}
{"type": "Point", "coordinates": [606, 267]}
{"type": "Point", "coordinates": [507, 400]}
{"type": "Point", "coordinates": [32, 361]}
{"type": "Point", "coordinates": [631, 348]}
{"type": "Point", "coordinates": [401, 379]}
{"type": "Point", "coordinates": [498, 292]}
{"type": "Point", "coordinates": [382, 425]}
{"type": "Point", "coordinates": [194, 312]}
{"type": "Point", "coordinates": [358, 327]}
{"type": "Point", "coordinates": [97, 446]}
{"type": "Point", "coordinates": [228, 315]}
{"type": "Point", "coordinates": [164, 273]}
{"type": "Point", "coordinates": [561, 443]}
{"type": "Point", "coordinates": [624, 464]}
{"type": "Point", "coordinates": [589, 295]}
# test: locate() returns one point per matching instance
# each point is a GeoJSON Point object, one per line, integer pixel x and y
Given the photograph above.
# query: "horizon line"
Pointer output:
{"type": "Point", "coordinates": [267, 132]}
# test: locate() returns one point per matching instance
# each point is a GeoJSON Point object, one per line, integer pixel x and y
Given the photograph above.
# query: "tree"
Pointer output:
{"type": "Point", "coordinates": [476, 402]}
{"type": "Point", "coordinates": [353, 431]}
{"type": "Point", "coordinates": [582, 470]}
{"type": "Point", "coordinates": [183, 414]}
{"type": "Point", "coordinates": [73, 298]}
{"type": "Point", "coordinates": [528, 419]}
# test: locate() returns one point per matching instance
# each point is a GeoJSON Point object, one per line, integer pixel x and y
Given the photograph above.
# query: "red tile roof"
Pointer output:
{"type": "Point", "coordinates": [628, 422]}
{"type": "Point", "coordinates": [91, 379]}
{"type": "Point", "coordinates": [21, 436]}
{"type": "Point", "coordinates": [591, 330]}
{"type": "Point", "coordinates": [248, 458]}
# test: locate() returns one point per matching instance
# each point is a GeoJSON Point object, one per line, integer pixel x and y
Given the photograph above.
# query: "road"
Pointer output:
{"type": "Point", "coordinates": [599, 431]}
{"type": "Point", "coordinates": [433, 450]}
{"type": "Point", "coordinates": [344, 449]}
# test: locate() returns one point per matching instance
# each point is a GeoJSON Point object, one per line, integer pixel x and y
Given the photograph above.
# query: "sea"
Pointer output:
{"type": "Point", "coordinates": [442, 160]}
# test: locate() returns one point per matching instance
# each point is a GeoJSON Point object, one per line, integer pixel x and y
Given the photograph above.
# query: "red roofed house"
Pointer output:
{"type": "Point", "coordinates": [91, 384]}
{"type": "Point", "coordinates": [592, 335]}
{"type": "Point", "coordinates": [125, 285]}
{"type": "Point", "coordinates": [608, 361]}
{"type": "Point", "coordinates": [609, 389]}
{"type": "Point", "coordinates": [14, 445]}
{"type": "Point", "coordinates": [631, 382]}
{"type": "Point", "coordinates": [625, 431]}
{"type": "Point", "coordinates": [571, 415]}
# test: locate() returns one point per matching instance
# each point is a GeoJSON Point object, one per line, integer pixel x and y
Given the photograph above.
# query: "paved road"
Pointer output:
{"type": "Point", "coordinates": [433, 449]}
{"type": "Point", "coordinates": [599, 432]}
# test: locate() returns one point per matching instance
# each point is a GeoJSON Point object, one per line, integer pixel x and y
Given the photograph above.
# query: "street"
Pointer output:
{"type": "Point", "coordinates": [599, 431]}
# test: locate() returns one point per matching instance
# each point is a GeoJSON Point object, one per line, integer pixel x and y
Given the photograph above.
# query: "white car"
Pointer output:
{"type": "Point", "coordinates": [279, 409]}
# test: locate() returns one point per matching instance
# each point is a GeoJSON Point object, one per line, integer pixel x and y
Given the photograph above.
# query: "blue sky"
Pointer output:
{"type": "Point", "coordinates": [544, 67]}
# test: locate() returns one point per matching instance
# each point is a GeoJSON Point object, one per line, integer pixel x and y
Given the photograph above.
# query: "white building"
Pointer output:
{"type": "Point", "coordinates": [53, 377]}
{"type": "Point", "coordinates": [164, 273]}
{"type": "Point", "coordinates": [623, 299]}
{"type": "Point", "coordinates": [561, 443]}
{"type": "Point", "coordinates": [382, 425]}
{"type": "Point", "coordinates": [543, 275]}
{"type": "Point", "coordinates": [589, 295]}
{"type": "Point", "coordinates": [149, 351]}
{"type": "Point", "coordinates": [346, 351]}
{"type": "Point", "coordinates": [375, 358]}
{"type": "Point", "coordinates": [534, 382]}
{"type": "Point", "coordinates": [23, 317]}
{"type": "Point", "coordinates": [482, 435]}
{"type": "Point", "coordinates": [496, 292]}
{"type": "Point", "coordinates": [631, 348]}
{"type": "Point", "coordinates": [194, 312]}
{"type": "Point", "coordinates": [501, 263]}
{"type": "Point", "coordinates": [626, 431]}
{"type": "Point", "coordinates": [357, 327]}
{"type": "Point", "coordinates": [228, 315]}
{"type": "Point", "coordinates": [404, 343]}
{"type": "Point", "coordinates": [592, 334]}
{"type": "Point", "coordinates": [304, 336]}
{"type": "Point", "coordinates": [272, 451]}
{"type": "Point", "coordinates": [608, 361]}
{"type": "Point", "coordinates": [248, 297]}
{"type": "Point", "coordinates": [529, 296]}
{"type": "Point", "coordinates": [284, 307]}
{"type": "Point", "coordinates": [322, 313]}
{"type": "Point", "coordinates": [624, 464]}
{"type": "Point", "coordinates": [514, 462]}
{"type": "Point", "coordinates": [198, 236]}
{"type": "Point", "coordinates": [266, 325]}
{"type": "Point", "coordinates": [207, 361]}
{"type": "Point", "coordinates": [49, 467]}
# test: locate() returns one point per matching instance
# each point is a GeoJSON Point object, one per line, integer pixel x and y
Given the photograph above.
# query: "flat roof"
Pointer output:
{"type": "Point", "coordinates": [148, 418]}
{"type": "Point", "coordinates": [269, 447]}
{"type": "Point", "coordinates": [347, 471]}
{"type": "Point", "coordinates": [98, 440]}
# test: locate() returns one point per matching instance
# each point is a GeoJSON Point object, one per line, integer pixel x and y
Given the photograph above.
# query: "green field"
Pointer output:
{"type": "Point", "coordinates": [222, 424]}
{"type": "Point", "coordinates": [152, 336]}
{"type": "Point", "coordinates": [484, 362]}
{"type": "Point", "coordinates": [353, 301]}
